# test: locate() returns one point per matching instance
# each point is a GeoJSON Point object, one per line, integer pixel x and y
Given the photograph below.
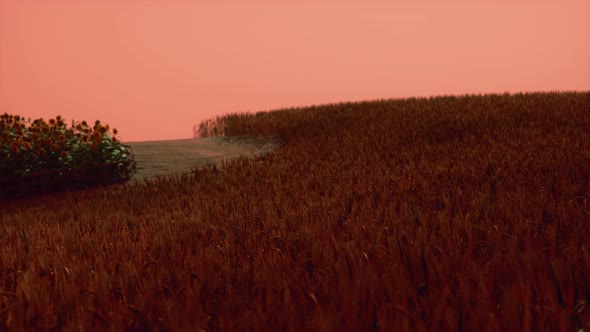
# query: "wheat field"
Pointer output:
{"type": "Point", "coordinates": [445, 213]}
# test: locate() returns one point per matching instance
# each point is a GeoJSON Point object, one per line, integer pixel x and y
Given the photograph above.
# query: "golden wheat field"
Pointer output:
{"type": "Point", "coordinates": [421, 214]}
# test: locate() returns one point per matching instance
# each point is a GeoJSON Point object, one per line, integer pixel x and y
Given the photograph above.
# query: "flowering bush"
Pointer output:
{"type": "Point", "coordinates": [27, 147]}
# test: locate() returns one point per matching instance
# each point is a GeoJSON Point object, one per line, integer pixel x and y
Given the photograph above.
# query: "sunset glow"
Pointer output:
{"type": "Point", "coordinates": [153, 69]}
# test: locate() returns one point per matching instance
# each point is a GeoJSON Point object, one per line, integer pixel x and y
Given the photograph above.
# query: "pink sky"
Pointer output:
{"type": "Point", "coordinates": [154, 68]}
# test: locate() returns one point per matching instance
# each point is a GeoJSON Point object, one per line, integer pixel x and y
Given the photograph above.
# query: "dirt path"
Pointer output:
{"type": "Point", "coordinates": [178, 156]}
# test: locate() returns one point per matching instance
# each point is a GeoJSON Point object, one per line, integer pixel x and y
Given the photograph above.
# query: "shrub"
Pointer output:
{"type": "Point", "coordinates": [28, 147]}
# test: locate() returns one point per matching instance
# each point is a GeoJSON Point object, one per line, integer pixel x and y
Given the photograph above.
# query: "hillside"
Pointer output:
{"type": "Point", "coordinates": [446, 213]}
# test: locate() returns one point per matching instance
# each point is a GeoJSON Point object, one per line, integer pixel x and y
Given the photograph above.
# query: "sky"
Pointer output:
{"type": "Point", "coordinates": [154, 68]}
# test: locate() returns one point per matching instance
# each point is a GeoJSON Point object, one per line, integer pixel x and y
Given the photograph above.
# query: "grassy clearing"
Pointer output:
{"type": "Point", "coordinates": [464, 212]}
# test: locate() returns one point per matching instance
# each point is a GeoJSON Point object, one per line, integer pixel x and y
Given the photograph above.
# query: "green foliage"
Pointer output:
{"type": "Point", "coordinates": [27, 147]}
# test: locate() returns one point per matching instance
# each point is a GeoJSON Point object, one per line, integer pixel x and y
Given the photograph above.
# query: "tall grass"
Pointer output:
{"type": "Point", "coordinates": [445, 213]}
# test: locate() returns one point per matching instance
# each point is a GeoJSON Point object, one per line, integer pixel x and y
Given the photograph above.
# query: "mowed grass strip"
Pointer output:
{"type": "Point", "coordinates": [468, 212]}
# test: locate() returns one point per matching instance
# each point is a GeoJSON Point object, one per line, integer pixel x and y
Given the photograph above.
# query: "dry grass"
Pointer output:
{"type": "Point", "coordinates": [419, 214]}
{"type": "Point", "coordinates": [165, 158]}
